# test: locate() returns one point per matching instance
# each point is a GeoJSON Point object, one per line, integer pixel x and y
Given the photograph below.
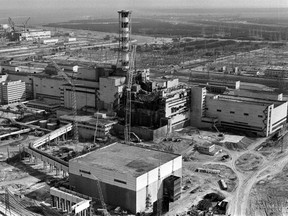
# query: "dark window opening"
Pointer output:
{"type": "Point", "coordinates": [260, 116]}
{"type": "Point", "coordinates": [246, 114]}
{"type": "Point", "coordinates": [218, 110]}
{"type": "Point", "coordinates": [232, 112]}
{"type": "Point", "coordinates": [86, 172]}
{"type": "Point", "coordinates": [119, 181]}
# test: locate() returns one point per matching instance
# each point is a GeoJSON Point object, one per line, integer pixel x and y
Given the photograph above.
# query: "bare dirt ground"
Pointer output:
{"type": "Point", "coordinates": [248, 171]}
{"type": "Point", "coordinates": [270, 190]}
{"type": "Point", "coordinates": [241, 171]}
{"type": "Point", "coordinates": [196, 185]}
{"type": "Point", "coordinates": [248, 179]}
{"type": "Point", "coordinates": [248, 162]}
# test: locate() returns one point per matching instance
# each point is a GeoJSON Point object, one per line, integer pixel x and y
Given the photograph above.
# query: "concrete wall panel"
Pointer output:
{"type": "Point", "coordinates": [112, 194]}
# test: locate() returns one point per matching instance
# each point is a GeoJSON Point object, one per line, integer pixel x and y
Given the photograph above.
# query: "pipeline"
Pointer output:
{"type": "Point", "coordinates": [15, 133]}
{"type": "Point", "coordinates": [33, 147]}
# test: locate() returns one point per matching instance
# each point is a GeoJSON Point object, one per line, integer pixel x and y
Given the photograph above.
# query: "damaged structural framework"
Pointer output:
{"type": "Point", "coordinates": [161, 105]}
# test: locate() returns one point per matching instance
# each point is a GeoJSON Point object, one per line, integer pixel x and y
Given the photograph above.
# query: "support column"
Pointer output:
{"type": "Point", "coordinates": [57, 171]}
{"type": "Point", "coordinates": [64, 205]}
{"type": "Point", "coordinates": [44, 165]}
{"type": "Point", "coordinates": [68, 206]}
{"type": "Point", "coordinates": [61, 204]}
{"type": "Point", "coordinates": [53, 201]}
{"type": "Point", "coordinates": [57, 202]}
{"type": "Point", "coordinates": [51, 168]}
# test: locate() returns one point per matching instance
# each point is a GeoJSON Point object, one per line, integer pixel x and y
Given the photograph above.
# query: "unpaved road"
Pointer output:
{"type": "Point", "coordinates": [239, 200]}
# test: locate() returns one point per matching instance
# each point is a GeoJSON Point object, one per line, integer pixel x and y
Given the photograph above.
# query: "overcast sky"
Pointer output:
{"type": "Point", "coordinates": [31, 4]}
{"type": "Point", "coordinates": [47, 11]}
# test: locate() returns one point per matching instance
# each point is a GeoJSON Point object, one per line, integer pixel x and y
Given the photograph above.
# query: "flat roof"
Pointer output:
{"type": "Point", "coordinates": [248, 100]}
{"type": "Point", "coordinates": [91, 120]}
{"type": "Point", "coordinates": [132, 160]}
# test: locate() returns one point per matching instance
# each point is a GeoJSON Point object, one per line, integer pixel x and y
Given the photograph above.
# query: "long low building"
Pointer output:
{"type": "Point", "coordinates": [262, 117]}
{"type": "Point", "coordinates": [87, 125]}
{"type": "Point", "coordinates": [128, 175]}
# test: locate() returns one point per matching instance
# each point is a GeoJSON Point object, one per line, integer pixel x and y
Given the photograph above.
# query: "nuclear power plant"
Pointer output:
{"type": "Point", "coordinates": [142, 115]}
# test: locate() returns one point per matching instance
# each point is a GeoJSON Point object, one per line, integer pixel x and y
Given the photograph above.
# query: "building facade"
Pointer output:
{"type": "Point", "coordinates": [88, 126]}
{"type": "Point", "coordinates": [262, 117]}
{"type": "Point", "coordinates": [12, 92]}
{"type": "Point", "coordinates": [128, 174]}
{"type": "Point", "coordinates": [33, 35]}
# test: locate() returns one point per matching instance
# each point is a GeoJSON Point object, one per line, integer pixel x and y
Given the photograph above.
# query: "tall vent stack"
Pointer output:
{"type": "Point", "coordinates": [124, 38]}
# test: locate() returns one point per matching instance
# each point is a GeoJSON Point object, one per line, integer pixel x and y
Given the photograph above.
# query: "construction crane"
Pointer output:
{"type": "Point", "coordinates": [96, 127]}
{"type": "Point", "coordinates": [159, 198]}
{"type": "Point", "coordinates": [129, 79]}
{"type": "Point", "coordinates": [11, 24]}
{"type": "Point", "coordinates": [105, 212]}
{"type": "Point", "coordinates": [74, 102]}
{"type": "Point", "coordinates": [25, 24]}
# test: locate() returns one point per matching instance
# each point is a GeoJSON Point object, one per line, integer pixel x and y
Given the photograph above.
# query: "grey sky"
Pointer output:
{"type": "Point", "coordinates": [47, 11]}
{"type": "Point", "coordinates": [49, 4]}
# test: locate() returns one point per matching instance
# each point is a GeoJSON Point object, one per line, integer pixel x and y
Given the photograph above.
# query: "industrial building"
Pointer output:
{"type": "Point", "coordinates": [276, 72]}
{"type": "Point", "coordinates": [262, 117]}
{"type": "Point", "coordinates": [12, 92]}
{"type": "Point", "coordinates": [257, 94]}
{"type": "Point", "coordinates": [127, 174]}
{"type": "Point", "coordinates": [89, 125]}
{"type": "Point", "coordinates": [85, 96]}
{"type": "Point", "coordinates": [43, 104]}
{"type": "Point", "coordinates": [160, 106]}
{"type": "Point", "coordinates": [33, 34]}
{"type": "Point", "coordinates": [206, 148]}
{"type": "Point", "coordinates": [23, 66]}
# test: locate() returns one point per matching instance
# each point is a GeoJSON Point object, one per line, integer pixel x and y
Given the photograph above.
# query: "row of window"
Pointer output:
{"type": "Point", "coordinates": [44, 86]}
{"type": "Point", "coordinates": [233, 112]}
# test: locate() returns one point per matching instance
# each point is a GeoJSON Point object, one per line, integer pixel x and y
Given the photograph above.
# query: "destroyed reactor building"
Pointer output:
{"type": "Point", "coordinates": [161, 105]}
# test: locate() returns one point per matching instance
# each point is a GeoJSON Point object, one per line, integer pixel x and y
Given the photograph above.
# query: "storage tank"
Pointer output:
{"type": "Point", "coordinates": [51, 126]}
{"type": "Point", "coordinates": [43, 123]}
